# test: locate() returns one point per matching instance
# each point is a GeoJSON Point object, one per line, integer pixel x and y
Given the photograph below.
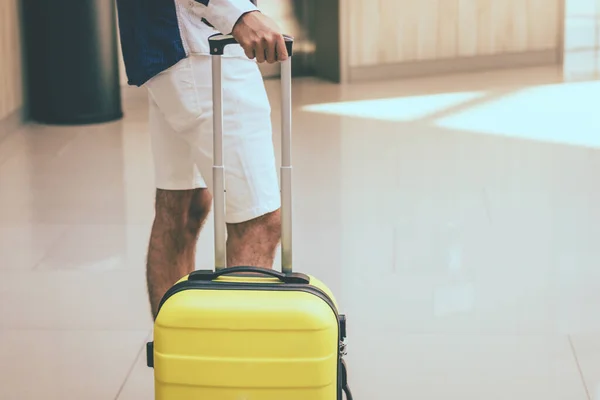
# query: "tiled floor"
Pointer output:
{"type": "Point", "coordinates": [455, 218]}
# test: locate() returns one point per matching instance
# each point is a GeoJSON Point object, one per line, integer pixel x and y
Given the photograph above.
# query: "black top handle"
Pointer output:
{"type": "Point", "coordinates": [218, 42]}
{"type": "Point", "coordinates": [210, 275]}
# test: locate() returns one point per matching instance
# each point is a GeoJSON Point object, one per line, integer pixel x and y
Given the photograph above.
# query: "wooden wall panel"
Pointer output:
{"type": "Point", "coordinates": [11, 91]}
{"type": "Point", "coordinates": [542, 36]}
{"type": "Point", "coordinates": [502, 26]}
{"type": "Point", "coordinates": [395, 31]}
{"type": "Point", "coordinates": [428, 39]}
{"type": "Point", "coordinates": [408, 49]}
{"type": "Point", "coordinates": [485, 18]}
{"type": "Point", "coordinates": [468, 21]}
{"type": "Point", "coordinates": [447, 29]}
{"type": "Point", "coordinates": [365, 32]}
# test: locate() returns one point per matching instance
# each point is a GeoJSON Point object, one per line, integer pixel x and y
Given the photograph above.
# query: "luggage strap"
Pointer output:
{"type": "Point", "coordinates": [345, 386]}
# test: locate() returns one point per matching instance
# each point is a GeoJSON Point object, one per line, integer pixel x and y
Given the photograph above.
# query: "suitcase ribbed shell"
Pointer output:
{"type": "Point", "coordinates": [257, 342]}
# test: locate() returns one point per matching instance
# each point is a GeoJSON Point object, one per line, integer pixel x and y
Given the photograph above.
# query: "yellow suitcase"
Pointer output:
{"type": "Point", "coordinates": [243, 333]}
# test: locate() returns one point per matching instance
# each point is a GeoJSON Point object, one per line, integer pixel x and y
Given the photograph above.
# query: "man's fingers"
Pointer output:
{"type": "Point", "coordinates": [262, 38]}
{"type": "Point", "coordinates": [248, 48]}
{"type": "Point", "coordinates": [249, 52]}
{"type": "Point", "coordinates": [271, 49]}
{"type": "Point", "coordinates": [281, 49]}
{"type": "Point", "coordinates": [259, 50]}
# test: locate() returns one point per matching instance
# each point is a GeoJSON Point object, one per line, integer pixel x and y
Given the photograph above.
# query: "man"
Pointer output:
{"type": "Point", "coordinates": [165, 49]}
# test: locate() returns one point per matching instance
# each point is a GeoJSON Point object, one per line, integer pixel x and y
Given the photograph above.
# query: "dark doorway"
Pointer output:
{"type": "Point", "coordinates": [314, 25]}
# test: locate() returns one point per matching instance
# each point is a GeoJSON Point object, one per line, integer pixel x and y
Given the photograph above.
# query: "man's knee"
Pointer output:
{"type": "Point", "coordinates": [199, 209]}
{"type": "Point", "coordinates": [182, 209]}
{"type": "Point", "coordinates": [171, 206]}
{"type": "Point", "coordinates": [266, 227]}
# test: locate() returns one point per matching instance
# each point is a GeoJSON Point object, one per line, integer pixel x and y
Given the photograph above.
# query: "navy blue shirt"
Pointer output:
{"type": "Point", "coordinates": [151, 38]}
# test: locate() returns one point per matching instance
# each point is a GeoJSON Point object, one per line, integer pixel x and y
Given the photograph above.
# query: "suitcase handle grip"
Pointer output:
{"type": "Point", "coordinates": [210, 275]}
{"type": "Point", "coordinates": [218, 42]}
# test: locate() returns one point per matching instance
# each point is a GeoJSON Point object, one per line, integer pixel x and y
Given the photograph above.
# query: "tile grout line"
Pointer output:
{"type": "Point", "coordinates": [51, 247]}
{"type": "Point", "coordinates": [131, 368]}
{"type": "Point", "coordinates": [587, 392]}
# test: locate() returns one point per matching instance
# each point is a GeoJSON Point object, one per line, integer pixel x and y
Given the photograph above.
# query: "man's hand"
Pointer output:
{"type": "Point", "coordinates": [260, 37]}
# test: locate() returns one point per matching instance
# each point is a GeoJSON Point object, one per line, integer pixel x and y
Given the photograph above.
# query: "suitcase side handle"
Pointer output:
{"type": "Point", "coordinates": [210, 275]}
{"type": "Point", "coordinates": [218, 42]}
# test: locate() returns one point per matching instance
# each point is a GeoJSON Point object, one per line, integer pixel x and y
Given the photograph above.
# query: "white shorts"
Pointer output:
{"type": "Point", "coordinates": [180, 123]}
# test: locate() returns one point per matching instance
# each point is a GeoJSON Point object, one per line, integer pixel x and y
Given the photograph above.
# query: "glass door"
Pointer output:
{"type": "Point", "coordinates": [581, 52]}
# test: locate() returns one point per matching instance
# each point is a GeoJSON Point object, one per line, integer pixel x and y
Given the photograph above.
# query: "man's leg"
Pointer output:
{"type": "Point", "coordinates": [180, 214]}
{"type": "Point", "coordinates": [182, 199]}
{"type": "Point", "coordinates": [253, 243]}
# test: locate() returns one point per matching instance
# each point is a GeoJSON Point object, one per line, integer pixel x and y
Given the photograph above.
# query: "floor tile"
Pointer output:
{"type": "Point", "coordinates": [99, 248]}
{"type": "Point", "coordinates": [587, 350]}
{"type": "Point", "coordinates": [140, 382]}
{"type": "Point", "coordinates": [63, 364]}
{"type": "Point", "coordinates": [23, 246]}
{"type": "Point", "coordinates": [79, 299]}
{"type": "Point", "coordinates": [387, 365]}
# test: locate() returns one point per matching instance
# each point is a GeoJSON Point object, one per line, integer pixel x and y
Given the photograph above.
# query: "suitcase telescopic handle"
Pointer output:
{"type": "Point", "coordinates": [217, 43]}
{"type": "Point", "coordinates": [210, 275]}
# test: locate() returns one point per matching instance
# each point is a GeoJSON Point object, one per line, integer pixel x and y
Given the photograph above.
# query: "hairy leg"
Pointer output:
{"type": "Point", "coordinates": [253, 243]}
{"type": "Point", "coordinates": [180, 214]}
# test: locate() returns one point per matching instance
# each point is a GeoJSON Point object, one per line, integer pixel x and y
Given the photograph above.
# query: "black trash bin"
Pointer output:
{"type": "Point", "coordinates": [72, 62]}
